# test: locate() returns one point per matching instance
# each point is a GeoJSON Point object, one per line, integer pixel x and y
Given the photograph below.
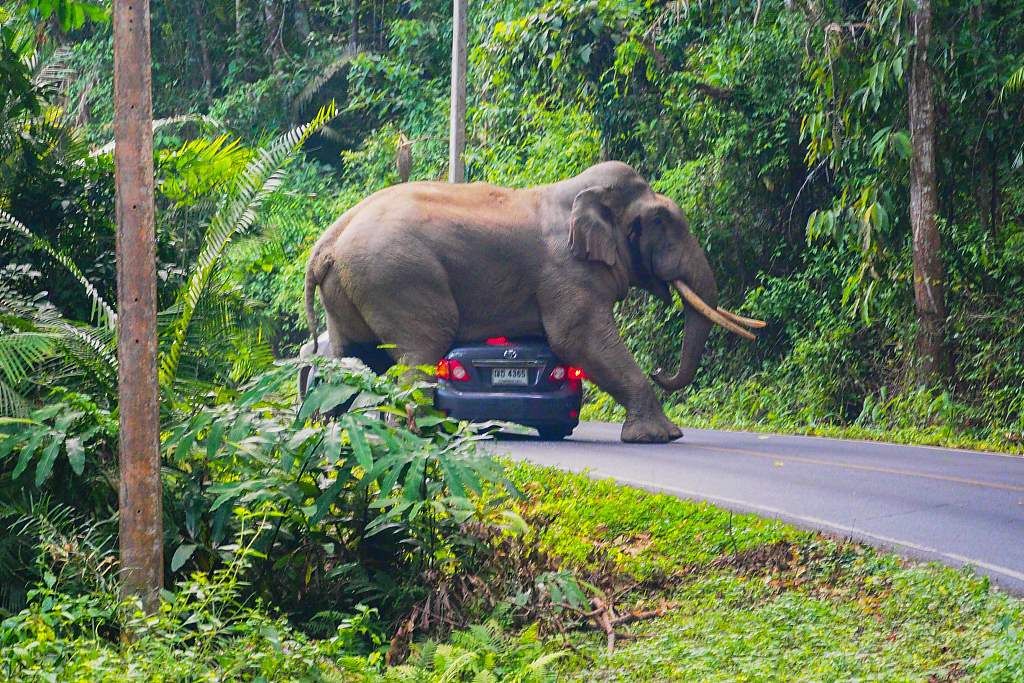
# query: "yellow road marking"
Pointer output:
{"type": "Point", "coordinates": [865, 468]}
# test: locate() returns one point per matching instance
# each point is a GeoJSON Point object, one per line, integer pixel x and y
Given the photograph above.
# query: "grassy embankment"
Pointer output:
{"type": "Point", "coordinates": [753, 599]}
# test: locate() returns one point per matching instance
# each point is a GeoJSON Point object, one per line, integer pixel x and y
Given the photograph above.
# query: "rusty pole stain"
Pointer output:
{"type": "Point", "coordinates": [141, 511]}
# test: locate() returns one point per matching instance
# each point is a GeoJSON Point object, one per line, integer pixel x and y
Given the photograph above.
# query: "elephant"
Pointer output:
{"type": "Point", "coordinates": [418, 267]}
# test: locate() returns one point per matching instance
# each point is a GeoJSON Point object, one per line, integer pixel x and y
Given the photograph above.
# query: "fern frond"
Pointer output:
{"type": "Point", "coordinates": [102, 312]}
{"type": "Point", "coordinates": [259, 180]}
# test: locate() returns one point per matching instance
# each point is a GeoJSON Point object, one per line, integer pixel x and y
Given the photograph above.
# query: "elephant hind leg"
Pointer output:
{"type": "Point", "coordinates": [375, 358]}
{"type": "Point", "coordinates": [417, 322]}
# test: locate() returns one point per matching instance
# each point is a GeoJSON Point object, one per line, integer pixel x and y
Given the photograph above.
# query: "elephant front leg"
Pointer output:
{"type": "Point", "coordinates": [597, 348]}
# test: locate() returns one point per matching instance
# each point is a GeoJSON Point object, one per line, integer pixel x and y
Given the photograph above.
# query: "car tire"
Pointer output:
{"type": "Point", "coordinates": [553, 433]}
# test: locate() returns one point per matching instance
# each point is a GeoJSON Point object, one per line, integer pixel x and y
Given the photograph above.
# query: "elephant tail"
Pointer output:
{"type": "Point", "coordinates": [312, 280]}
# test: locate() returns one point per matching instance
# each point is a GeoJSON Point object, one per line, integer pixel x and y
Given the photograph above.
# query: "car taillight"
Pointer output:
{"type": "Point", "coordinates": [497, 341]}
{"type": "Point", "coordinates": [451, 369]}
{"type": "Point", "coordinates": [561, 373]}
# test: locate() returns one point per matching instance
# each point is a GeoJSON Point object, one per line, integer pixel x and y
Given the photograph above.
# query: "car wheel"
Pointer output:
{"type": "Point", "coordinates": [554, 433]}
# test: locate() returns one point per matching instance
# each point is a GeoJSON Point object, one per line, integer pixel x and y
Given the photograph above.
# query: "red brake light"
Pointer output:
{"type": "Point", "coordinates": [451, 369]}
{"type": "Point", "coordinates": [459, 373]}
{"type": "Point", "coordinates": [497, 341]}
{"type": "Point", "coordinates": [560, 373]}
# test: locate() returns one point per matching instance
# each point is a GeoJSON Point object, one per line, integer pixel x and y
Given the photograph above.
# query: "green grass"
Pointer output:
{"type": "Point", "coordinates": [645, 535]}
{"type": "Point", "coordinates": [817, 609]}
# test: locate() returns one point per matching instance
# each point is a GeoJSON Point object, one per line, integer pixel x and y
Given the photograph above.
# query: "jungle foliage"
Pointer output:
{"type": "Point", "coordinates": [780, 127]}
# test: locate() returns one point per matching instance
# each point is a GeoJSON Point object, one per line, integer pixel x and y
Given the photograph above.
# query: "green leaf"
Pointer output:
{"type": "Point", "coordinates": [453, 478]}
{"type": "Point", "coordinates": [76, 454]}
{"type": "Point", "coordinates": [214, 438]}
{"type": "Point", "coordinates": [414, 479]}
{"type": "Point", "coordinates": [327, 498]}
{"type": "Point", "coordinates": [360, 447]}
{"type": "Point", "coordinates": [323, 398]}
{"type": "Point", "coordinates": [182, 555]}
{"type": "Point", "coordinates": [27, 452]}
{"type": "Point", "coordinates": [45, 465]}
{"type": "Point", "coordinates": [391, 478]}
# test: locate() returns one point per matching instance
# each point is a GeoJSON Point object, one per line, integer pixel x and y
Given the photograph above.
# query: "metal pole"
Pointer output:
{"type": "Point", "coordinates": [457, 134]}
{"type": "Point", "coordinates": [141, 510]}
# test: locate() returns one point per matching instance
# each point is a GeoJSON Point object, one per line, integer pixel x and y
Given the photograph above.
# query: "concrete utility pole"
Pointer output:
{"type": "Point", "coordinates": [141, 509]}
{"type": "Point", "coordinates": [457, 132]}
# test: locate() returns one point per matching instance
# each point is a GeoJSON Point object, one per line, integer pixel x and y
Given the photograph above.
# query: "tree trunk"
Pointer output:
{"type": "Point", "coordinates": [353, 29]}
{"type": "Point", "coordinates": [204, 50]}
{"type": "Point", "coordinates": [994, 188]}
{"type": "Point", "coordinates": [273, 19]}
{"type": "Point", "coordinates": [301, 14]}
{"type": "Point", "coordinates": [929, 272]}
{"type": "Point", "coordinates": [240, 16]}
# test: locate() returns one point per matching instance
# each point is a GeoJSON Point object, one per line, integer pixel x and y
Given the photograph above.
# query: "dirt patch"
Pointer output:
{"type": "Point", "coordinates": [772, 558]}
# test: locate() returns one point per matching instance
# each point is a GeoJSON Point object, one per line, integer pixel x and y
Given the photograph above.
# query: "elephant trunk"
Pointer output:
{"type": "Point", "coordinates": [702, 311]}
{"type": "Point", "coordinates": [700, 282]}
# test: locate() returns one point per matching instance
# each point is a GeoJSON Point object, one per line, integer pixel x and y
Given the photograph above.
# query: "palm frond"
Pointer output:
{"type": "Point", "coordinates": [39, 346]}
{"type": "Point", "coordinates": [260, 179]}
{"type": "Point", "coordinates": [88, 353]}
{"type": "Point", "coordinates": [51, 71]}
{"type": "Point", "coordinates": [102, 312]}
{"type": "Point", "coordinates": [192, 171]}
{"type": "Point", "coordinates": [316, 84]}
{"type": "Point", "coordinates": [1015, 83]}
{"type": "Point", "coordinates": [162, 123]}
{"type": "Point", "coordinates": [12, 403]}
{"type": "Point", "coordinates": [20, 352]}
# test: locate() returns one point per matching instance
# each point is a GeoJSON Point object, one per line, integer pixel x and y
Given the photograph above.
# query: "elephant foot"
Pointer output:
{"type": "Point", "coordinates": [650, 430]}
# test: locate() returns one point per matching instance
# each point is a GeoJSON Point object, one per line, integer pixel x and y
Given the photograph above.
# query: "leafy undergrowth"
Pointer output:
{"type": "Point", "coordinates": [696, 593]}
{"type": "Point", "coordinates": [752, 599]}
{"type": "Point", "coordinates": [699, 414]}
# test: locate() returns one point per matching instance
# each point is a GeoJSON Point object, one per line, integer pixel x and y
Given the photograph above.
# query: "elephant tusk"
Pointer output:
{"type": "Point", "coordinates": [749, 322]}
{"type": "Point", "coordinates": [711, 314]}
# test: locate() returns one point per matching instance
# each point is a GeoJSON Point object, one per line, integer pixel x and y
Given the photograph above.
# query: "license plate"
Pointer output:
{"type": "Point", "coordinates": [517, 376]}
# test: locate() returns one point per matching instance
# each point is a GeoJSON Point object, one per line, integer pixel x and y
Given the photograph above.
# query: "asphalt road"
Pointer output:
{"type": "Point", "coordinates": [957, 507]}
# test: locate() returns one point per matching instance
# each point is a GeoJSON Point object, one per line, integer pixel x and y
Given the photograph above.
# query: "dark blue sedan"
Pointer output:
{"type": "Point", "coordinates": [519, 381]}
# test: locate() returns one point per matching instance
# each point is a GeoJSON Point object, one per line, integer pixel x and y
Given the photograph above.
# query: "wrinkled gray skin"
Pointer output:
{"type": "Point", "coordinates": [423, 266]}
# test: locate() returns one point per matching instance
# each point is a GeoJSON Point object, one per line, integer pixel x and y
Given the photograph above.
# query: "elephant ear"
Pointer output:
{"type": "Point", "coordinates": [592, 228]}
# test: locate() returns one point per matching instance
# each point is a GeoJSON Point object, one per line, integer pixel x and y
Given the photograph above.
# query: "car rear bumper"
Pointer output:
{"type": "Point", "coordinates": [533, 409]}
